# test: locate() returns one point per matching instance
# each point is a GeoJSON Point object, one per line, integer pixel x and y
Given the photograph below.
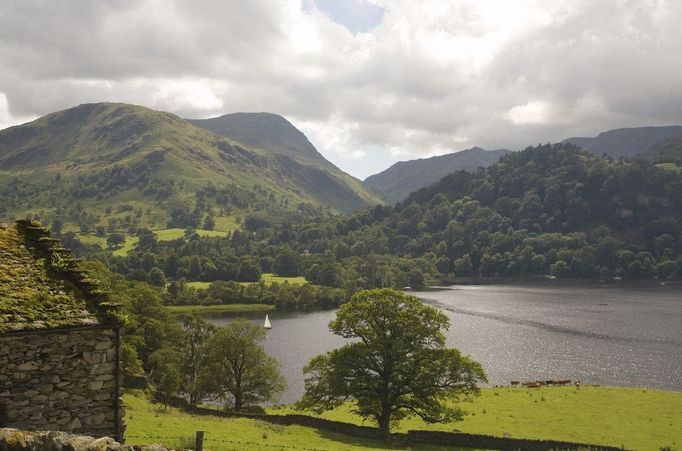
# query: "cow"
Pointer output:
{"type": "Point", "coordinates": [515, 383]}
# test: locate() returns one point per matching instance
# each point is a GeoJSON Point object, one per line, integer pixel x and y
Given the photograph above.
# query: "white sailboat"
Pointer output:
{"type": "Point", "coordinates": [267, 324]}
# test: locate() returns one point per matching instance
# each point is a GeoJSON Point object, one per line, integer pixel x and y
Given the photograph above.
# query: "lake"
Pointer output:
{"type": "Point", "coordinates": [618, 334]}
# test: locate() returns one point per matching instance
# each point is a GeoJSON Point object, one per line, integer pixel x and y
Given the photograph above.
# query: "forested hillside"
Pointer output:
{"type": "Point", "coordinates": [626, 142]}
{"type": "Point", "coordinates": [668, 151]}
{"type": "Point", "coordinates": [549, 210]}
{"type": "Point", "coordinates": [404, 177]}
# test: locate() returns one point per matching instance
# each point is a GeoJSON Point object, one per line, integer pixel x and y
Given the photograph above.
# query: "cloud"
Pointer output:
{"type": "Point", "coordinates": [533, 112]}
{"type": "Point", "coordinates": [420, 78]}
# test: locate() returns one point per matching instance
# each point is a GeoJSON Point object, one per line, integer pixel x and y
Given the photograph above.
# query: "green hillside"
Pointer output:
{"type": "Point", "coordinates": [120, 165]}
{"type": "Point", "coordinates": [275, 134]}
{"type": "Point", "coordinates": [668, 151]}
{"type": "Point", "coordinates": [546, 211]}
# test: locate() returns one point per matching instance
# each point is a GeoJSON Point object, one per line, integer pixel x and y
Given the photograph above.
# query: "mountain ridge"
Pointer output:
{"type": "Point", "coordinates": [404, 177]}
{"type": "Point", "coordinates": [112, 154]}
{"type": "Point", "coordinates": [274, 133]}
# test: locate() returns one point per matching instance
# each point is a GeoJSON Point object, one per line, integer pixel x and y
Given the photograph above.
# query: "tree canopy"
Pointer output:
{"type": "Point", "coordinates": [397, 364]}
{"type": "Point", "coordinates": [236, 369]}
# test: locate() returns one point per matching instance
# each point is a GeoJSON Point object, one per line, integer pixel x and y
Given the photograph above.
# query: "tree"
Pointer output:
{"type": "Point", "coordinates": [168, 384]}
{"type": "Point", "coordinates": [115, 240]}
{"type": "Point", "coordinates": [155, 277]}
{"type": "Point", "coordinates": [287, 263]}
{"type": "Point", "coordinates": [398, 366]}
{"type": "Point", "coordinates": [196, 332]}
{"type": "Point", "coordinates": [236, 369]}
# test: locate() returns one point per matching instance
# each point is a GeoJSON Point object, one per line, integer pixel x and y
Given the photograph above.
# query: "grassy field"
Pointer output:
{"type": "Point", "coordinates": [147, 423]}
{"type": "Point", "coordinates": [271, 278]}
{"type": "Point", "coordinates": [199, 285]}
{"type": "Point", "coordinates": [267, 278]}
{"type": "Point", "coordinates": [129, 245]}
{"type": "Point", "coordinates": [174, 234]}
{"type": "Point", "coordinates": [161, 235]}
{"type": "Point", "coordinates": [237, 308]}
{"type": "Point", "coordinates": [630, 417]}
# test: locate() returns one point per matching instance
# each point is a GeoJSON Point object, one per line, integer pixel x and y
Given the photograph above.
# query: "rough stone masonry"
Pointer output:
{"type": "Point", "coordinates": [61, 380]}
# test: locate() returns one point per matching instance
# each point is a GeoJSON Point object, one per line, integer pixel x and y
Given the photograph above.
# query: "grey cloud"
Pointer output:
{"type": "Point", "coordinates": [433, 76]}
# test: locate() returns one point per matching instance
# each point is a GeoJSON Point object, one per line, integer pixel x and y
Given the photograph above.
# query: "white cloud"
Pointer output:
{"type": "Point", "coordinates": [6, 118]}
{"type": "Point", "coordinates": [433, 76]}
{"type": "Point", "coordinates": [533, 112]}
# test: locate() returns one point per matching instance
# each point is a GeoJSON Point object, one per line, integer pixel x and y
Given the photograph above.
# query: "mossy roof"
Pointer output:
{"type": "Point", "coordinates": [30, 298]}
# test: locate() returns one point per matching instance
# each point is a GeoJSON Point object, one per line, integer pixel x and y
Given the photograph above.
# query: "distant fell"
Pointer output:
{"type": "Point", "coordinates": [273, 133]}
{"type": "Point", "coordinates": [625, 142]}
{"type": "Point", "coordinates": [103, 162]}
{"type": "Point", "coordinates": [265, 130]}
{"type": "Point", "coordinates": [405, 177]}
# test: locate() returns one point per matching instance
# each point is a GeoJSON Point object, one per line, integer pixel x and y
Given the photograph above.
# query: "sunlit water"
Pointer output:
{"type": "Point", "coordinates": [610, 335]}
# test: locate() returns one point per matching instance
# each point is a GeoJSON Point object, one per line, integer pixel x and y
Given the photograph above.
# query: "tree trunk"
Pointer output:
{"type": "Point", "coordinates": [384, 422]}
{"type": "Point", "coordinates": [238, 402]}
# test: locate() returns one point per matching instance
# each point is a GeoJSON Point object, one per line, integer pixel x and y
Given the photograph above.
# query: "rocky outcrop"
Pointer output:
{"type": "Point", "coordinates": [15, 440]}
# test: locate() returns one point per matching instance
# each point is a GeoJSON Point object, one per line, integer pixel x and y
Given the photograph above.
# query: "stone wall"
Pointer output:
{"type": "Point", "coordinates": [14, 440]}
{"type": "Point", "coordinates": [61, 380]}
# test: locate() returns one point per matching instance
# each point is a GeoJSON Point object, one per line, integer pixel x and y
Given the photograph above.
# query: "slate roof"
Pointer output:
{"type": "Point", "coordinates": [40, 287]}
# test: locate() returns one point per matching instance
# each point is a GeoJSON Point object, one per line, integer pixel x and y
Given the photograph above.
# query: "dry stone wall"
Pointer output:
{"type": "Point", "coordinates": [14, 440]}
{"type": "Point", "coordinates": [62, 381]}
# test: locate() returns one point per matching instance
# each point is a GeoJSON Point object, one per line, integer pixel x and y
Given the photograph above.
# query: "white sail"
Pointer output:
{"type": "Point", "coordinates": [267, 323]}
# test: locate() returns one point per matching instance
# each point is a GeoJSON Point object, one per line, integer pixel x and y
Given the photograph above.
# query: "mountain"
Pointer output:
{"type": "Point", "coordinates": [95, 163]}
{"type": "Point", "coordinates": [668, 151]}
{"type": "Point", "coordinates": [275, 134]}
{"type": "Point", "coordinates": [626, 142]}
{"type": "Point", "coordinates": [404, 177]}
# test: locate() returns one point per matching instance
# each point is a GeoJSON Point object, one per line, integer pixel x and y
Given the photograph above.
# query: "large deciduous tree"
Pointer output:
{"type": "Point", "coordinates": [397, 364]}
{"type": "Point", "coordinates": [197, 332]}
{"type": "Point", "coordinates": [237, 370]}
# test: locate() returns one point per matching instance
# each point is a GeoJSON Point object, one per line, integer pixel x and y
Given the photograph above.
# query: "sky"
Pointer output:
{"type": "Point", "coordinates": [370, 82]}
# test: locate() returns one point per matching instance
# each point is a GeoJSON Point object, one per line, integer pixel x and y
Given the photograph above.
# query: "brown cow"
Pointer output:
{"type": "Point", "coordinates": [514, 383]}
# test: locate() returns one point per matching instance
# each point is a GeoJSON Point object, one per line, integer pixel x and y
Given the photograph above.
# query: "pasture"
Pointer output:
{"type": "Point", "coordinates": [174, 234]}
{"type": "Point", "coordinates": [631, 417]}
{"type": "Point", "coordinates": [269, 279]}
{"type": "Point", "coordinates": [161, 235]}
{"type": "Point", "coordinates": [220, 308]}
{"type": "Point", "coordinates": [266, 278]}
{"type": "Point", "coordinates": [148, 423]}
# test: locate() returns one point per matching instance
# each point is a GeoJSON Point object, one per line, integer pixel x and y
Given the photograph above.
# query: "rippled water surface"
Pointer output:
{"type": "Point", "coordinates": [610, 335]}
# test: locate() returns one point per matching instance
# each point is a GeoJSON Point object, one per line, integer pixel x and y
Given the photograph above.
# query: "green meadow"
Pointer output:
{"type": "Point", "coordinates": [266, 278]}
{"type": "Point", "coordinates": [149, 423]}
{"type": "Point", "coordinates": [271, 278]}
{"type": "Point", "coordinates": [630, 417]}
{"type": "Point", "coordinates": [220, 308]}
{"type": "Point", "coordinates": [161, 235]}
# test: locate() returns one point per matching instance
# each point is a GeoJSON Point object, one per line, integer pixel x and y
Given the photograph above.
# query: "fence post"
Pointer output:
{"type": "Point", "coordinates": [199, 444]}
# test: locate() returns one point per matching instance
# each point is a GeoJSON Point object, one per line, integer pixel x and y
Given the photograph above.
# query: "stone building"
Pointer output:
{"type": "Point", "coordinates": [59, 340]}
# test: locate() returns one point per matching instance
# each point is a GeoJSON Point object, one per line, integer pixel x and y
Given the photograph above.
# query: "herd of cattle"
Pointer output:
{"type": "Point", "coordinates": [536, 384]}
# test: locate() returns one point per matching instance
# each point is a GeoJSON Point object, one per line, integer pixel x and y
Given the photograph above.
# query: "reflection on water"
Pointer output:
{"type": "Point", "coordinates": [611, 335]}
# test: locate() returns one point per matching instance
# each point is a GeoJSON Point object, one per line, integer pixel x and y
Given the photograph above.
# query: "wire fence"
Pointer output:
{"type": "Point", "coordinates": [188, 442]}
